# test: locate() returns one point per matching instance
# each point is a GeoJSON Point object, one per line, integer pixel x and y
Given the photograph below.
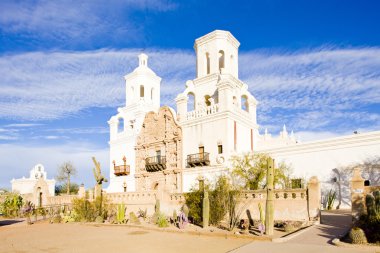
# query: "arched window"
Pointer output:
{"type": "Point", "coordinates": [231, 64]}
{"type": "Point", "coordinates": [190, 102]}
{"type": "Point", "coordinates": [244, 103]}
{"type": "Point", "coordinates": [207, 63]}
{"type": "Point", "coordinates": [221, 60]}
{"type": "Point", "coordinates": [120, 125]}
{"type": "Point", "coordinates": [141, 91]}
{"type": "Point", "coordinates": [132, 93]}
{"type": "Point", "coordinates": [207, 100]}
{"type": "Point", "coordinates": [234, 101]}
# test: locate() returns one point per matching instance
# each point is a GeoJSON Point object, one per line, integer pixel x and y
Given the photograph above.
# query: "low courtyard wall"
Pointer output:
{"type": "Point", "coordinates": [290, 204]}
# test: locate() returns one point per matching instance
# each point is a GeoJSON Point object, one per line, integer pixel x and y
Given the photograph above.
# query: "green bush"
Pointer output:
{"type": "Point", "coordinates": [218, 200]}
{"type": "Point", "coordinates": [70, 217]}
{"type": "Point", "coordinates": [162, 221]}
{"type": "Point", "coordinates": [194, 203]}
{"type": "Point", "coordinates": [99, 219]}
{"type": "Point", "coordinates": [223, 200]}
{"type": "Point", "coordinates": [56, 219]}
{"type": "Point", "coordinates": [133, 218]}
{"type": "Point", "coordinates": [87, 211]}
{"type": "Point", "coordinates": [12, 205]}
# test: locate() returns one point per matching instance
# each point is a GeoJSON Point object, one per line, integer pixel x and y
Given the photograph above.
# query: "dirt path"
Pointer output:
{"type": "Point", "coordinates": [45, 237]}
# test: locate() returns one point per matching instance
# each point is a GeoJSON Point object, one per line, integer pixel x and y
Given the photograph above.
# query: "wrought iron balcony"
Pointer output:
{"type": "Point", "coordinates": [121, 170]}
{"type": "Point", "coordinates": [155, 163]}
{"type": "Point", "coordinates": [199, 159]}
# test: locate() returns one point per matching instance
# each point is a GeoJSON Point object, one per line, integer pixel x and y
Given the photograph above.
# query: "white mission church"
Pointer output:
{"type": "Point", "coordinates": [158, 148]}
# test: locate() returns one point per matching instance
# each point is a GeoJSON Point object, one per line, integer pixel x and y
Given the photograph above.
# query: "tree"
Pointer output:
{"type": "Point", "coordinates": [342, 182]}
{"type": "Point", "coordinates": [250, 171]}
{"type": "Point", "coordinates": [62, 188]}
{"type": "Point", "coordinates": [65, 171]}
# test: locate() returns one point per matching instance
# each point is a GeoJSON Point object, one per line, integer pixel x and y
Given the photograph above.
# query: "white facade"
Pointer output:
{"type": "Point", "coordinates": [322, 156]}
{"type": "Point", "coordinates": [27, 185]}
{"type": "Point", "coordinates": [142, 95]}
{"type": "Point", "coordinates": [217, 115]}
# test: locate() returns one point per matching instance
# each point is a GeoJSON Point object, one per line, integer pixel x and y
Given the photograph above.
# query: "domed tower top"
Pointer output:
{"type": "Point", "coordinates": [217, 52]}
{"type": "Point", "coordinates": [143, 85]}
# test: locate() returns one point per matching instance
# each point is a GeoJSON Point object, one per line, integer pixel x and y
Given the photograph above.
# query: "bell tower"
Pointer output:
{"type": "Point", "coordinates": [217, 53]}
{"type": "Point", "coordinates": [143, 84]}
{"type": "Point", "coordinates": [142, 88]}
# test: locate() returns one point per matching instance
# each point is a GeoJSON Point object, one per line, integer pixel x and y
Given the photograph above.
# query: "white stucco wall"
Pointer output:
{"type": "Point", "coordinates": [318, 158]}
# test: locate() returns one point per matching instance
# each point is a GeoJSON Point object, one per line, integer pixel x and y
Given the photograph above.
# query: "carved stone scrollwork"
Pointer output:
{"type": "Point", "coordinates": [159, 150]}
{"type": "Point", "coordinates": [220, 159]}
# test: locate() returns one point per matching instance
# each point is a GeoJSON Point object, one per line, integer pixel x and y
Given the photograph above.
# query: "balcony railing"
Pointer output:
{"type": "Point", "coordinates": [199, 159]}
{"type": "Point", "coordinates": [155, 163]}
{"type": "Point", "coordinates": [121, 170]}
{"type": "Point", "coordinates": [202, 112]}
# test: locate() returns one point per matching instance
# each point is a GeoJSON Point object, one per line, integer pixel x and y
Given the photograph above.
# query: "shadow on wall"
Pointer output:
{"type": "Point", "coordinates": [370, 171]}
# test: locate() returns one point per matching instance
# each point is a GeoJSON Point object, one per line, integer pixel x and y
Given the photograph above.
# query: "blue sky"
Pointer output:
{"type": "Point", "coordinates": [312, 65]}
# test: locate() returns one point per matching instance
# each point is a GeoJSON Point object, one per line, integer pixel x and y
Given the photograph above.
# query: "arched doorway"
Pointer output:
{"type": "Point", "coordinates": [39, 197]}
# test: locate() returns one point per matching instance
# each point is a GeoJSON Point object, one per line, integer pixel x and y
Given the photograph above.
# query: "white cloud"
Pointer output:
{"type": "Point", "coordinates": [75, 22]}
{"type": "Point", "coordinates": [81, 130]}
{"type": "Point", "coordinates": [22, 125]}
{"type": "Point", "coordinates": [16, 160]}
{"type": "Point", "coordinates": [319, 90]}
{"type": "Point", "coordinates": [40, 85]}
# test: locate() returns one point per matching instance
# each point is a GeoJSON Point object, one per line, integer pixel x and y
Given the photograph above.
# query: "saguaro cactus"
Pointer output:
{"type": "Point", "coordinates": [269, 210]}
{"type": "Point", "coordinates": [205, 210]}
{"type": "Point", "coordinates": [372, 202]}
{"type": "Point", "coordinates": [157, 206]}
{"type": "Point", "coordinates": [262, 218]}
{"type": "Point", "coordinates": [99, 178]}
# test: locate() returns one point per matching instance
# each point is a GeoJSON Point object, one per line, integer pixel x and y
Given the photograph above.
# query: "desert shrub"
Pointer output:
{"type": "Point", "coordinates": [42, 211]}
{"type": "Point", "coordinates": [224, 199]}
{"type": "Point", "coordinates": [142, 213]}
{"type": "Point", "coordinates": [56, 219]}
{"type": "Point", "coordinates": [133, 218]}
{"type": "Point", "coordinates": [70, 216]}
{"type": "Point", "coordinates": [12, 204]}
{"type": "Point", "coordinates": [85, 210]}
{"type": "Point", "coordinates": [194, 204]}
{"type": "Point", "coordinates": [162, 221]}
{"type": "Point", "coordinates": [219, 200]}
{"type": "Point", "coordinates": [370, 222]}
{"type": "Point", "coordinates": [99, 219]}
